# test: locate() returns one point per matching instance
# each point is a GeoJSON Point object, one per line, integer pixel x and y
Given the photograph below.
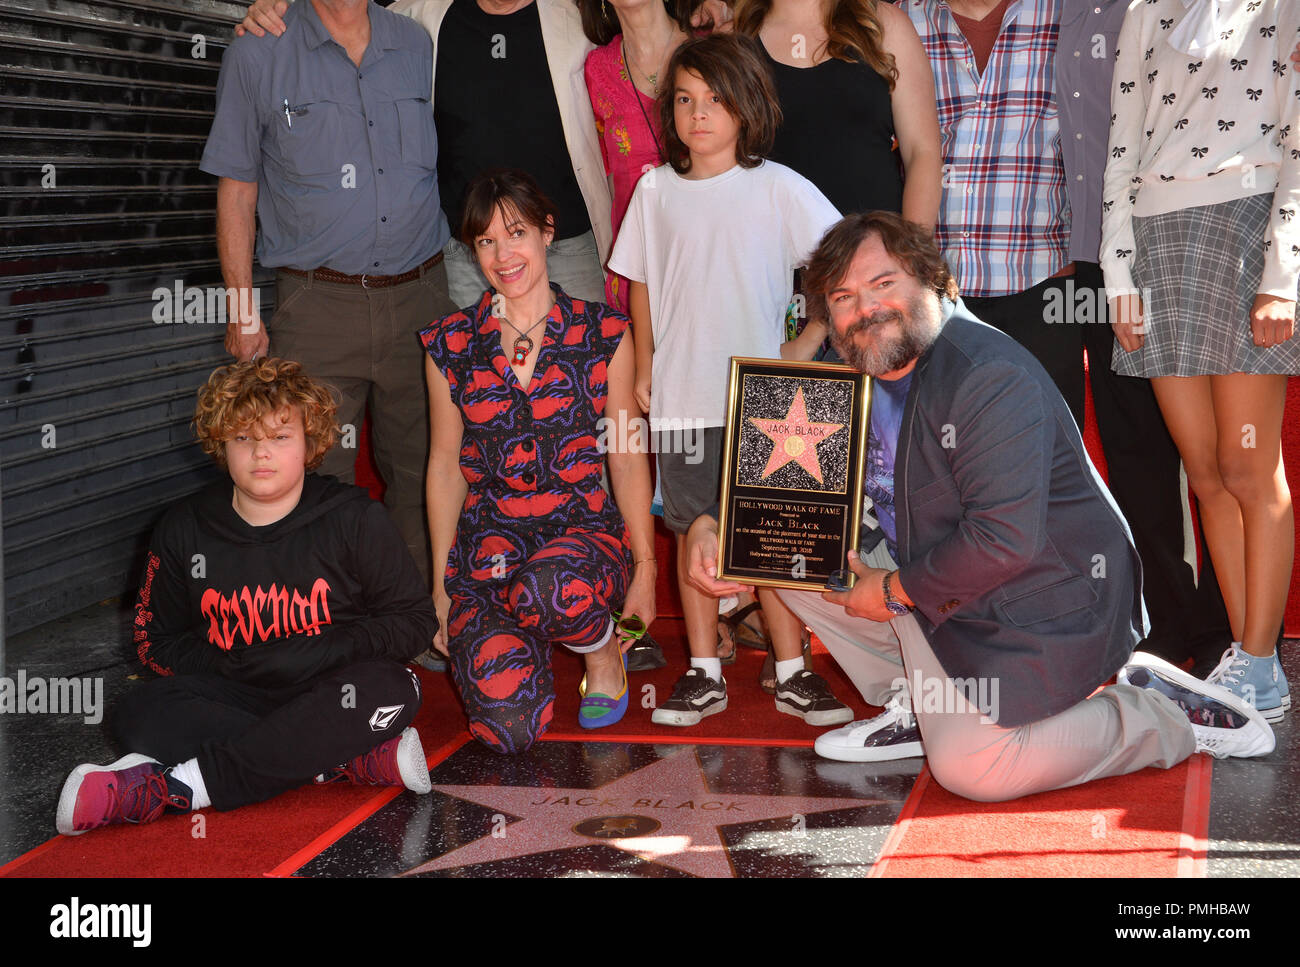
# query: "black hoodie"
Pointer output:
{"type": "Point", "coordinates": [330, 584]}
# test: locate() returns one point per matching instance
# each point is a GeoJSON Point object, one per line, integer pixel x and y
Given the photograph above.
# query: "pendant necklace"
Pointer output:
{"type": "Point", "coordinates": [636, 96]}
{"type": "Point", "coordinates": [652, 78]}
{"type": "Point", "coordinates": [523, 345]}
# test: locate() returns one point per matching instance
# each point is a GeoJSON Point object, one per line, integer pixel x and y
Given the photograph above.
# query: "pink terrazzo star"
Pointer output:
{"type": "Point", "coordinates": [795, 438]}
{"type": "Point", "coordinates": [670, 793]}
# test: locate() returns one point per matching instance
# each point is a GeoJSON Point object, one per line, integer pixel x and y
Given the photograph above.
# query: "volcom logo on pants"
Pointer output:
{"type": "Point", "coordinates": [384, 716]}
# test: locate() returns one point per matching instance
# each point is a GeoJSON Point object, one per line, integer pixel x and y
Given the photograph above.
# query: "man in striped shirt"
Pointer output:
{"type": "Point", "coordinates": [1004, 220]}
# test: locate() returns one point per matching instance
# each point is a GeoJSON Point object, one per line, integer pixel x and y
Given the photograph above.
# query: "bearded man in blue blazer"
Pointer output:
{"type": "Point", "coordinates": [997, 587]}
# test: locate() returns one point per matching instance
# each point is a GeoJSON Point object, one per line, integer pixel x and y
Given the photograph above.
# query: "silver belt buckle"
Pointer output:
{"type": "Point", "coordinates": [363, 281]}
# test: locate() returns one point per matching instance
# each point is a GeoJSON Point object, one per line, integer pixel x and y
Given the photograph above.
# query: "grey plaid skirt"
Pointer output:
{"type": "Point", "coordinates": [1198, 270]}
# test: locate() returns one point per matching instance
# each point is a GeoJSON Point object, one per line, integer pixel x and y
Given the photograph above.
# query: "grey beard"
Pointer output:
{"type": "Point", "coordinates": [919, 329]}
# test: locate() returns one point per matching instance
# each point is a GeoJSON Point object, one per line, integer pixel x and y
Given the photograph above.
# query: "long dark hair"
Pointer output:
{"type": "Point", "coordinates": [600, 19]}
{"type": "Point", "coordinates": [513, 193]}
{"type": "Point", "coordinates": [735, 70]}
{"type": "Point", "coordinates": [852, 28]}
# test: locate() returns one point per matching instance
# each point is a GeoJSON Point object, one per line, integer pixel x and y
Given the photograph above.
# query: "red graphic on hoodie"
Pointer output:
{"type": "Point", "coordinates": [274, 613]}
{"type": "Point", "coordinates": [142, 613]}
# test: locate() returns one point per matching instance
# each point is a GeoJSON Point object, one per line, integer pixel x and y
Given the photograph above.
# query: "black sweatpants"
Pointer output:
{"type": "Point", "coordinates": [1188, 619]}
{"type": "Point", "coordinates": [255, 743]}
{"type": "Point", "coordinates": [1036, 318]}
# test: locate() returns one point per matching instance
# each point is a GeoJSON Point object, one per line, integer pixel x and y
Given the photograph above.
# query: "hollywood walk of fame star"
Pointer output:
{"type": "Point", "coordinates": [682, 831]}
{"type": "Point", "coordinates": [795, 438]}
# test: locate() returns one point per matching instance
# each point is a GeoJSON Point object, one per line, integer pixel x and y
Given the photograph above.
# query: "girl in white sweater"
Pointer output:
{"type": "Point", "coordinates": [1201, 252]}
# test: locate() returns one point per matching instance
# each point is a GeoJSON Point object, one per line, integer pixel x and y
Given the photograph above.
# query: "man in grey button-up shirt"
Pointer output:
{"type": "Point", "coordinates": [327, 134]}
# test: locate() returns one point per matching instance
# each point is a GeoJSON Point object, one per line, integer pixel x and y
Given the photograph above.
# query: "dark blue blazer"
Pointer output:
{"type": "Point", "coordinates": [1020, 564]}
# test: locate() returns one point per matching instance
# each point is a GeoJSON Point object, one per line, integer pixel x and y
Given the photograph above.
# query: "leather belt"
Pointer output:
{"type": "Point", "coordinates": [365, 281]}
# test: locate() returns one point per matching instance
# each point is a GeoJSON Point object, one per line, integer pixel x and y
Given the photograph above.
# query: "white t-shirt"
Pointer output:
{"type": "Point", "coordinates": [718, 257]}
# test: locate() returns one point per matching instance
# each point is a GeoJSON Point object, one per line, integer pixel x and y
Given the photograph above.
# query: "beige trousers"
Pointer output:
{"type": "Point", "coordinates": [1118, 730]}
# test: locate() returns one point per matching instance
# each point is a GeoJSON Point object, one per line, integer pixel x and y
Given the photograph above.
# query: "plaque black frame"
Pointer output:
{"type": "Point", "coordinates": [740, 498]}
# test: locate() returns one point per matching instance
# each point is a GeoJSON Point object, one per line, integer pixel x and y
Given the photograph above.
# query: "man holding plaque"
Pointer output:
{"type": "Point", "coordinates": [1000, 589]}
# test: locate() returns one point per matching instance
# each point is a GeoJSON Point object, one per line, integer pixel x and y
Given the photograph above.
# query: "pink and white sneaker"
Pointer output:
{"type": "Point", "coordinates": [134, 789]}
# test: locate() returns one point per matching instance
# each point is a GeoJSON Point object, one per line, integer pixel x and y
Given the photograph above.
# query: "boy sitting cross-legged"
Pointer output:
{"type": "Point", "coordinates": [281, 612]}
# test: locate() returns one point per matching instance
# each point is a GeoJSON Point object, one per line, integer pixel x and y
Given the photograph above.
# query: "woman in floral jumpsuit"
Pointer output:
{"type": "Point", "coordinates": [530, 395]}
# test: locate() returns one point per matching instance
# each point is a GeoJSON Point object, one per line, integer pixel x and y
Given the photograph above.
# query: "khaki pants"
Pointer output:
{"type": "Point", "coordinates": [362, 342]}
{"type": "Point", "coordinates": [1118, 730]}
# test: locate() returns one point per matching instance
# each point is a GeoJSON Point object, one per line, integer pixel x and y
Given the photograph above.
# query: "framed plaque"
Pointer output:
{"type": "Point", "coordinates": [793, 463]}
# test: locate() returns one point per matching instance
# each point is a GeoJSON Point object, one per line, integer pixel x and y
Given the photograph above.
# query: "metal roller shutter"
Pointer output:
{"type": "Point", "coordinates": [104, 109]}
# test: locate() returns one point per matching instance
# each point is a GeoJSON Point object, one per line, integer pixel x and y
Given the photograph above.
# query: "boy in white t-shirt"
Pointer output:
{"type": "Point", "coordinates": [710, 243]}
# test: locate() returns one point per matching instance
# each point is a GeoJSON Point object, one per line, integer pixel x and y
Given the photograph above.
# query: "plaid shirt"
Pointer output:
{"type": "Point", "coordinates": [1004, 221]}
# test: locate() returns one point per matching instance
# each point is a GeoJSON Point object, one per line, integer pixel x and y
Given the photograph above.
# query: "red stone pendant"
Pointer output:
{"type": "Point", "coordinates": [523, 346]}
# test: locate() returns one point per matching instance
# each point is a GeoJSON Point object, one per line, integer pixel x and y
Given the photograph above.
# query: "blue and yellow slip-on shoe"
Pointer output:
{"type": "Point", "coordinates": [598, 711]}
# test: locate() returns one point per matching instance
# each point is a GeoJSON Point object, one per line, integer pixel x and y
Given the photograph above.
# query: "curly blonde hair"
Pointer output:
{"type": "Point", "coordinates": [243, 395]}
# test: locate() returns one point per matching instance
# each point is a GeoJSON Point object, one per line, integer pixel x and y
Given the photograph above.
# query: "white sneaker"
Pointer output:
{"type": "Point", "coordinates": [893, 734]}
{"type": "Point", "coordinates": [398, 762]}
{"type": "Point", "coordinates": [1224, 724]}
